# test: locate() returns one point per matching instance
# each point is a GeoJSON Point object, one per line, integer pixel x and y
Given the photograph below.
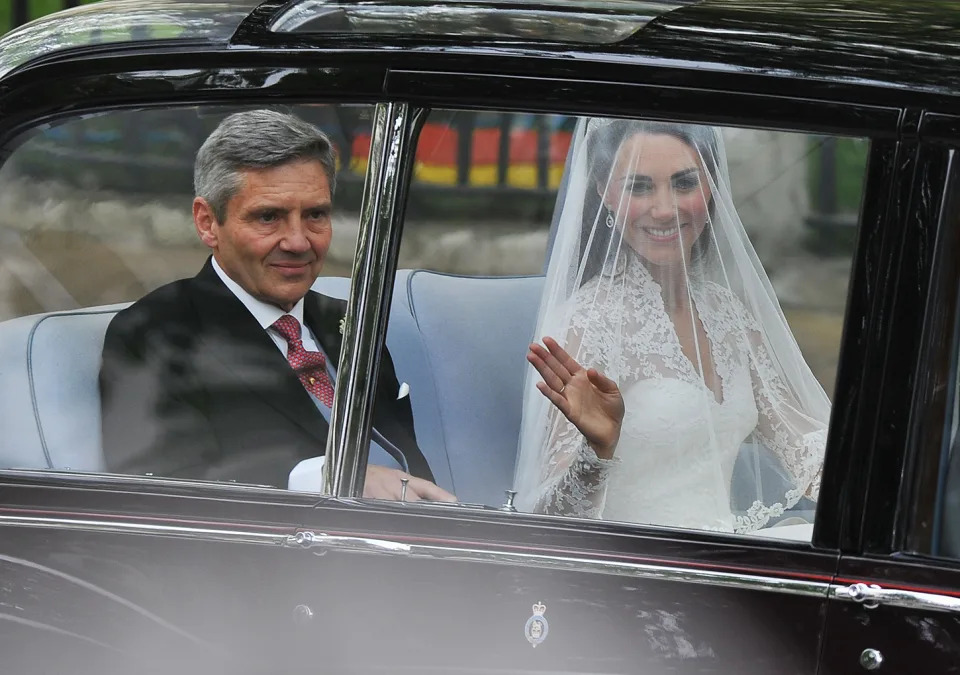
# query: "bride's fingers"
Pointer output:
{"type": "Point", "coordinates": [555, 398]}
{"type": "Point", "coordinates": [566, 361]}
{"type": "Point", "coordinates": [552, 363]}
{"type": "Point", "coordinates": [601, 382]}
{"type": "Point", "coordinates": [549, 376]}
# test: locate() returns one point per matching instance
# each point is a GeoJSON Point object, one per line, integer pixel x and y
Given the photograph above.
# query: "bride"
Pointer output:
{"type": "Point", "coordinates": [670, 390]}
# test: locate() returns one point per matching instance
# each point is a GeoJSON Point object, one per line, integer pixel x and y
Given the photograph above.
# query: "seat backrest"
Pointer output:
{"type": "Point", "coordinates": [460, 342]}
{"type": "Point", "coordinates": [50, 407]}
{"type": "Point", "coordinates": [475, 332]}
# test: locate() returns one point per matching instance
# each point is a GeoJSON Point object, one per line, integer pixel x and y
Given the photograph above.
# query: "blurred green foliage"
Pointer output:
{"type": "Point", "coordinates": [851, 166]}
{"type": "Point", "coordinates": [833, 232]}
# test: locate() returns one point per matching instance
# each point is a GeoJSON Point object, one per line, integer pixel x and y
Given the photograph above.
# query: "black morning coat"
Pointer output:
{"type": "Point", "coordinates": [192, 386]}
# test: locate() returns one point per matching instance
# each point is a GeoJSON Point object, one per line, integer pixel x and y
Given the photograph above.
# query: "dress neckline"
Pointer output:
{"type": "Point", "coordinates": [697, 303]}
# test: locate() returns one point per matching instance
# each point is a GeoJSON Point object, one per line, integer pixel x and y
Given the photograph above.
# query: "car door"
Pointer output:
{"type": "Point", "coordinates": [464, 585]}
{"type": "Point", "coordinates": [100, 572]}
{"type": "Point", "coordinates": [896, 602]}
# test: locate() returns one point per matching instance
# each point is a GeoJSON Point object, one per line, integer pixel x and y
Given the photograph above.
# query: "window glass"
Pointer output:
{"type": "Point", "coordinates": [100, 212]}
{"type": "Point", "coordinates": [699, 271]}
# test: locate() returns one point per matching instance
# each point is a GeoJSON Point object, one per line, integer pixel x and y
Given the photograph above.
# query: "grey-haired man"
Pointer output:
{"type": "Point", "coordinates": [229, 375]}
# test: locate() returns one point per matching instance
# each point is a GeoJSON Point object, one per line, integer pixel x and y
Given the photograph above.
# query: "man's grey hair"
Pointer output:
{"type": "Point", "coordinates": [255, 139]}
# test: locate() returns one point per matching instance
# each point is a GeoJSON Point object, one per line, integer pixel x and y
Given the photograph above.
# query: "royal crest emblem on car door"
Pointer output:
{"type": "Point", "coordinates": [537, 627]}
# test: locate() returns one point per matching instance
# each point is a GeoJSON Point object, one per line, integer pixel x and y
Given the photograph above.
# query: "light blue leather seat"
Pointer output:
{"type": "Point", "coordinates": [50, 402]}
{"type": "Point", "coordinates": [460, 343]}
{"type": "Point", "coordinates": [475, 332]}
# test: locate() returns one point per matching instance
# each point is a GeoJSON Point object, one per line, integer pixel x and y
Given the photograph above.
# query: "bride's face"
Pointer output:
{"type": "Point", "coordinates": [659, 195]}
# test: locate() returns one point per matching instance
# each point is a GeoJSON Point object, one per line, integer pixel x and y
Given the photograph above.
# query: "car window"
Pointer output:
{"type": "Point", "coordinates": [701, 272]}
{"type": "Point", "coordinates": [99, 213]}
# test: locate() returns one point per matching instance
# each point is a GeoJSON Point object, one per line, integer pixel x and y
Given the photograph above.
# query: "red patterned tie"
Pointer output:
{"type": "Point", "coordinates": [310, 367]}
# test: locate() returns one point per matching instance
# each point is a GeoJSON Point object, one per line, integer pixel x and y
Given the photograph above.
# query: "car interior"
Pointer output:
{"type": "Point", "coordinates": [458, 342]}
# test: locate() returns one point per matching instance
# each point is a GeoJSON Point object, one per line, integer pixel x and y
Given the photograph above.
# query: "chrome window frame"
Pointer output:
{"type": "Point", "coordinates": [389, 168]}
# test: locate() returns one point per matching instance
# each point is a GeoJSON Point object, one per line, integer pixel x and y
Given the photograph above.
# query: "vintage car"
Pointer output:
{"type": "Point", "coordinates": [453, 121]}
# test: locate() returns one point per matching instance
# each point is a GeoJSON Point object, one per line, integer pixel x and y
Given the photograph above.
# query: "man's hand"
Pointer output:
{"type": "Point", "coordinates": [384, 483]}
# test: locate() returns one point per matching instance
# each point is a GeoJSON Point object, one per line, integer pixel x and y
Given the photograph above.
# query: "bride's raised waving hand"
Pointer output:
{"type": "Point", "coordinates": [591, 401]}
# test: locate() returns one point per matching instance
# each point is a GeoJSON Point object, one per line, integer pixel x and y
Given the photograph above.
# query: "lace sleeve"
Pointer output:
{"type": "Point", "coordinates": [796, 439]}
{"type": "Point", "coordinates": [574, 481]}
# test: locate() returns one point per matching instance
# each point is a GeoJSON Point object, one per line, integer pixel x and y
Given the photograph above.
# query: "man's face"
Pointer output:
{"type": "Point", "coordinates": [276, 231]}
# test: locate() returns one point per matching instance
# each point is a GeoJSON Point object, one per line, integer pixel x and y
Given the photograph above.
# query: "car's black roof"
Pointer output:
{"type": "Point", "coordinates": [909, 44]}
{"type": "Point", "coordinates": [903, 43]}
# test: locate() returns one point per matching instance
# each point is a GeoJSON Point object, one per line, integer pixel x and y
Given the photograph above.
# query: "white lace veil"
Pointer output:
{"type": "Point", "coordinates": [725, 435]}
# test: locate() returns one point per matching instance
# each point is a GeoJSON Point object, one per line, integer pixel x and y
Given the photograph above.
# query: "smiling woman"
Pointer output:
{"type": "Point", "coordinates": [657, 181]}
{"type": "Point", "coordinates": [670, 351]}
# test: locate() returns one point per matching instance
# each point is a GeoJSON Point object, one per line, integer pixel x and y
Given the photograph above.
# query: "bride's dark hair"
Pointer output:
{"type": "Point", "coordinates": [603, 144]}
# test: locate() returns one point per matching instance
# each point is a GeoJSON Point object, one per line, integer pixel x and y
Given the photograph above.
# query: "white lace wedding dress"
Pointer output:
{"type": "Point", "coordinates": [679, 442]}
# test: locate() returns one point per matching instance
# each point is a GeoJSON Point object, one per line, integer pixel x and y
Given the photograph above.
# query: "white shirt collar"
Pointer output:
{"type": "Point", "coordinates": [265, 313]}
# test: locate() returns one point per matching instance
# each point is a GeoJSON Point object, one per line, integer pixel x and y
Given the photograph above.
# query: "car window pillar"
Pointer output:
{"type": "Point", "coordinates": [912, 329]}
{"type": "Point", "coordinates": [384, 194]}
{"type": "Point", "coordinates": [923, 493]}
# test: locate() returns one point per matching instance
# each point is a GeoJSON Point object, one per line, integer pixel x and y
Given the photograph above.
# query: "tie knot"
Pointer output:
{"type": "Point", "coordinates": [288, 327]}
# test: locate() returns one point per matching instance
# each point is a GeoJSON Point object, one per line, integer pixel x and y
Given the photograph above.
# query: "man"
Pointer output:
{"type": "Point", "coordinates": [229, 375]}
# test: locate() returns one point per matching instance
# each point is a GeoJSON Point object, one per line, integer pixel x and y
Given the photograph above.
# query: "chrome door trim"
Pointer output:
{"type": "Point", "coordinates": [872, 596]}
{"type": "Point", "coordinates": [373, 271]}
{"type": "Point", "coordinates": [321, 543]}
{"type": "Point", "coordinates": [380, 546]}
{"type": "Point", "coordinates": [181, 531]}
{"type": "Point", "coordinates": [146, 480]}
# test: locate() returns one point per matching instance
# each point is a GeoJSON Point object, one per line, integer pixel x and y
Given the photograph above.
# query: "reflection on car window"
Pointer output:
{"type": "Point", "coordinates": [559, 21]}
{"type": "Point", "coordinates": [703, 412]}
{"type": "Point", "coordinates": [213, 20]}
{"type": "Point", "coordinates": [683, 264]}
{"type": "Point", "coordinates": [198, 378]}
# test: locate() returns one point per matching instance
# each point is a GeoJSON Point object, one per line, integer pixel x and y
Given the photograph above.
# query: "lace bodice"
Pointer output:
{"type": "Point", "coordinates": [679, 444]}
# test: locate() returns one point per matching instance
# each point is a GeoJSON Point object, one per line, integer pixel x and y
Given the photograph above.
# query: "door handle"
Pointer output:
{"type": "Point", "coordinates": [872, 596]}
{"type": "Point", "coordinates": [868, 595]}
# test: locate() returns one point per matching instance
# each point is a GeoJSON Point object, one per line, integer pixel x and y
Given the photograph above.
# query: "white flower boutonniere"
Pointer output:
{"type": "Point", "coordinates": [343, 323]}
